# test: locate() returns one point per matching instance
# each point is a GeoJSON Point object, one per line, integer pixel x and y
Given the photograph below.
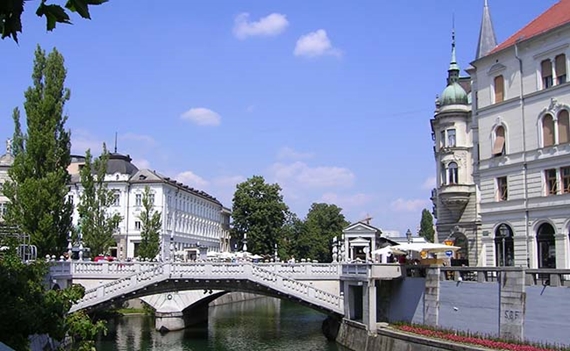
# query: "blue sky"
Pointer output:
{"type": "Point", "coordinates": [330, 99]}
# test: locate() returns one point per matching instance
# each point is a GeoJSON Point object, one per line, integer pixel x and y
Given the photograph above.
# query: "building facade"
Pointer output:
{"type": "Point", "coordinates": [191, 218]}
{"type": "Point", "coordinates": [518, 166]}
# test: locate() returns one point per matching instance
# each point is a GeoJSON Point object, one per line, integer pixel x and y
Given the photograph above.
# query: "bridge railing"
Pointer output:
{"type": "Point", "coordinates": [314, 270]}
{"type": "Point", "coordinates": [533, 276]}
{"type": "Point", "coordinates": [372, 270]}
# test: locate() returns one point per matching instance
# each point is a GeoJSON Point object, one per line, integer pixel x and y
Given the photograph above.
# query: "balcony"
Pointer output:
{"type": "Point", "coordinates": [455, 197]}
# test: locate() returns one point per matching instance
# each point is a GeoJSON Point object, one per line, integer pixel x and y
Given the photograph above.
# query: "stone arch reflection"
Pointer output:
{"type": "Point", "coordinates": [504, 246]}
{"type": "Point", "coordinates": [546, 246]}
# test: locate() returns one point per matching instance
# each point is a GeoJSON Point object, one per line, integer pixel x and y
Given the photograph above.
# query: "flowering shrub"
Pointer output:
{"type": "Point", "coordinates": [475, 339]}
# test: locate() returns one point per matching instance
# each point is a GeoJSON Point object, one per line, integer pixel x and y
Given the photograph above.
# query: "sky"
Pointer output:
{"type": "Point", "coordinates": [330, 99]}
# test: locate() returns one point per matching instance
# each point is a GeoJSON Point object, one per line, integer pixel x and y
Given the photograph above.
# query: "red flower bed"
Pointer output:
{"type": "Point", "coordinates": [477, 340]}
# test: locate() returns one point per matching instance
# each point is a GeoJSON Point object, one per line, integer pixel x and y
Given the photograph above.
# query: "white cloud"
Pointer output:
{"type": "Point", "coordinates": [315, 44]}
{"type": "Point", "coordinates": [300, 174]}
{"type": "Point", "coordinates": [141, 163]}
{"type": "Point", "coordinates": [191, 179]}
{"type": "Point", "coordinates": [271, 25]}
{"type": "Point", "coordinates": [287, 153]}
{"type": "Point", "coordinates": [145, 139]}
{"type": "Point", "coordinates": [202, 116]}
{"type": "Point", "coordinates": [81, 140]}
{"type": "Point", "coordinates": [412, 205]}
{"type": "Point", "coordinates": [429, 183]}
{"type": "Point", "coordinates": [346, 202]}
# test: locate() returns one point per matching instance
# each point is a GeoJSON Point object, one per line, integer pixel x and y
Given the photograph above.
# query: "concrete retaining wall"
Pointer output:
{"type": "Point", "coordinates": [355, 337]}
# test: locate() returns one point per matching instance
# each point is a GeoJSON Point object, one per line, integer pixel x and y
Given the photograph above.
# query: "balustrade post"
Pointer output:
{"type": "Point", "coordinates": [105, 267]}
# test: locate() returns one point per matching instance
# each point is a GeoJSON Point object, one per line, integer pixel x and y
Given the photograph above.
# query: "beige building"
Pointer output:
{"type": "Point", "coordinates": [512, 194]}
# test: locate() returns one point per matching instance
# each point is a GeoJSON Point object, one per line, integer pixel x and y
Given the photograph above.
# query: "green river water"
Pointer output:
{"type": "Point", "coordinates": [255, 325]}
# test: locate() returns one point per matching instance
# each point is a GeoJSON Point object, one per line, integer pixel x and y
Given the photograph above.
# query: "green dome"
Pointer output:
{"type": "Point", "coordinates": [454, 94]}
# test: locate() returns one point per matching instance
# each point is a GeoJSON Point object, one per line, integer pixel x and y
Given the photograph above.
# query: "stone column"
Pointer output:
{"type": "Point", "coordinates": [369, 308]}
{"type": "Point", "coordinates": [512, 302]}
{"type": "Point", "coordinates": [561, 241]}
{"type": "Point", "coordinates": [169, 321]}
{"type": "Point", "coordinates": [431, 296]}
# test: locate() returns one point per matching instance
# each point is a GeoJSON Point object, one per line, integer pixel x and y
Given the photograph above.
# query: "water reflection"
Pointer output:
{"type": "Point", "coordinates": [261, 324]}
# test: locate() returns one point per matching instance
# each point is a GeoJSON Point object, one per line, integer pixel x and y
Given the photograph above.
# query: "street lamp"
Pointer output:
{"type": "Point", "coordinates": [275, 252]}
{"type": "Point", "coordinates": [409, 236]}
{"type": "Point", "coordinates": [244, 248]}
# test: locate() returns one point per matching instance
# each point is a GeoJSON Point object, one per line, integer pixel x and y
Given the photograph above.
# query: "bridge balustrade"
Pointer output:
{"type": "Point", "coordinates": [542, 276]}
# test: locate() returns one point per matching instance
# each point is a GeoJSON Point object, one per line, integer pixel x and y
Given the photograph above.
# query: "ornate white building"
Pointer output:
{"type": "Point", "coordinates": [514, 186]}
{"type": "Point", "coordinates": [6, 162]}
{"type": "Point", "coordinates": [190, 218]}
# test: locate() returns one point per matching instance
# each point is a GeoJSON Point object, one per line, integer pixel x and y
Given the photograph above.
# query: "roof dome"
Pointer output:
{"type": "Point", "coordinates": [120, 164]}
{"type": "Point", "coordinates": [6, 160]}
{"type": "Point", "coordinates": [454, 94]}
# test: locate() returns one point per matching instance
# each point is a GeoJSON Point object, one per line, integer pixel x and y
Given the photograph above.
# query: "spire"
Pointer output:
{"type": "Point", "coordinates": [453, 71]}
{"type": "Point", "coordinates": [487, 38]}
{"type": "Point", "coordinates": [115, 142]}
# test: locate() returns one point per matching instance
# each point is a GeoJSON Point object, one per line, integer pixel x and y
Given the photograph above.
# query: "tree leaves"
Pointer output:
{"type": "Point", "coordinates": [11, 13]}
{"type": "Point", "coordinates": [151, 223]}
{"type": "Point", "coordinates": [426, 226]}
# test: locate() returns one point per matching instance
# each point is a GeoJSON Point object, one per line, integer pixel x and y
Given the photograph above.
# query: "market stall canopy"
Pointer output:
{"type": "Point", "coordinates": [428, 247]}
{"type": "Point", "coordinates": [387, 250]}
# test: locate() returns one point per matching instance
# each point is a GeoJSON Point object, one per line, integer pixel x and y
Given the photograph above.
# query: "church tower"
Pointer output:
{"type": "Point", "coordinates": [454, 198]}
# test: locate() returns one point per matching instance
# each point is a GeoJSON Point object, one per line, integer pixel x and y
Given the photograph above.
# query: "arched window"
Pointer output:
{"type": "Point", "coordinates": [546, 71]}
{"type": "Point", "coordinates": [504, 246]}
{"type": "Point", "coordinates": [563, 127]}
{"type": "Point", "coordinates": [546, 246]}
{"type": "Point", "coordinates": [560, 65]}
{"type": "Point", "coordinates": [499, 84]}
{"type": "Point", "coordinates": [499, 144]}
{"type": "Point", "coordinates": [547, 131]}
{"type": "Point", "coordinates": [452, 173]}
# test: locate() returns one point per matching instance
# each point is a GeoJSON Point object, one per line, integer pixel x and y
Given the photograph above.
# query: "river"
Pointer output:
{"type": "Point", "coordinates": [255, 325]}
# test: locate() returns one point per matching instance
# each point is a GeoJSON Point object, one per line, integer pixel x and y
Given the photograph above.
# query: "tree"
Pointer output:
{"type": "Point", "coordinates": [28, 308]}
{"type": "Point", "coordinates": [98, 225]}
{"type": "Point", "coordinates": [291, 232]}
{"type": "Point", "coordinates": [426, 226]}
{"type": "Point", "coordinates": [322, 224]}
{"type": "Point", "coordinates": [38, 178]}
{"type": "Point", "coordinates": [151, 224]}
{"type": "Point", "coordinates": [11, 14]}
{"type": "Point", "coordinates": [258, 211]}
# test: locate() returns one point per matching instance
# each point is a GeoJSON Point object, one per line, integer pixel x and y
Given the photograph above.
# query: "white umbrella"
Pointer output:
{"type": "Point", "coordinates": [212, 254]}
{"type": "Point", "coordinates": [255, 257]}
{"type": "Point", "coordinates": [387, 250]}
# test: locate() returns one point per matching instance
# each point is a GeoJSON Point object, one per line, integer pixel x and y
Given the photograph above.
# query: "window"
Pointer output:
{"type": "Point", "coordinates": [70, 199]}
{"type": "Point", "coordinates": [443, 174]}
{"type": "Point", "coordinates": [151, 199]}
{"type": "Point", "coordinates": [138, 200]}
{"type": "Point", "coordinates": [499, 89]}
{"type": "Point", "coordinates": [502, 189]}
{"type": "Point", "coordinates": [499, 144]}
{"type": "Point", "coordinates": [565, 173]}
{"type": "Point", "coordinates": [137, 225]}
{"type": "Point", "coordinates": [442, 139]}
{"type": "Point", "coordinates": [563, 127]}
{"type": "Point", "coordinates": [546, 69]}
{"type": "Point", "coordinates": [116, 199]}
{"type": "Point", "coordinates": [452, 173]}
{"type": "Point", "coordinates": [551, 183]}
{"type": "Point", "coordinates": [3, 209]}
{"type": "Point", "coordinates": [547, 131]}
{"type": "Point", "coordinates": [560, 65]}
{"type": "Point", "coordinates": [451, 137]}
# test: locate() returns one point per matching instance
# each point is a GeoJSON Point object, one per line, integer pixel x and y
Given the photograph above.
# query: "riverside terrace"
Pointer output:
{"type": "Point", "coordinates": [505, 301]}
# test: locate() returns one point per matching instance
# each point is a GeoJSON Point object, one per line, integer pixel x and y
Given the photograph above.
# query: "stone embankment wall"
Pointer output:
{"type": "Point", "coordinates": [355, 337]}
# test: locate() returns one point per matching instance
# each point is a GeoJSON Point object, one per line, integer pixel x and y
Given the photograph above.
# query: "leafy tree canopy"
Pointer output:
{"type": "Point", "coordinates": [258, 210]}
{"type": "Point", "coordinates": [426, 226]}
{"type": "Point", "coordinates": [11, 14]}
{"type": "Point", "coordinates": [98, 224]}
{"type": "Point", "coordinates": [151, 224]}
{"type": "Point", "coordinates": [322, 224]}
{"type": "Point", "coordinates": [28, 308]}
{"type": "Point", "coordinates": [38, 178]}
{"type": "Point", "coordinates": [291, 232]}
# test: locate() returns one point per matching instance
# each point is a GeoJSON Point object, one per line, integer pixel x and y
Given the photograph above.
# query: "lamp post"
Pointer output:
{"type": "Point", "coordinates": [409, 236]}
{"type": "Point", "coordinates": [69, 246]}
{"type": "Point", "coordinates": [275, 257]}
{"type": "Point", "coordinates": [244, 248]}
{"type": "Point", "coordinates": [171, 258]}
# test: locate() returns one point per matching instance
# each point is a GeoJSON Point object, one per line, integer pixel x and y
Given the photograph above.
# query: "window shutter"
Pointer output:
{"type": "Point", "coordinates": [547, 131]}
{"type": "Point", "coordinates": [499, 146]}
{"type": "Point", "coordinates": [563, 127]}
{"type": "Point", "coordinates": [560, 65]}
{"type": "Point", "coordinates": [499, 89]}
{"type": "Point", "coordinates": [546, 68]}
